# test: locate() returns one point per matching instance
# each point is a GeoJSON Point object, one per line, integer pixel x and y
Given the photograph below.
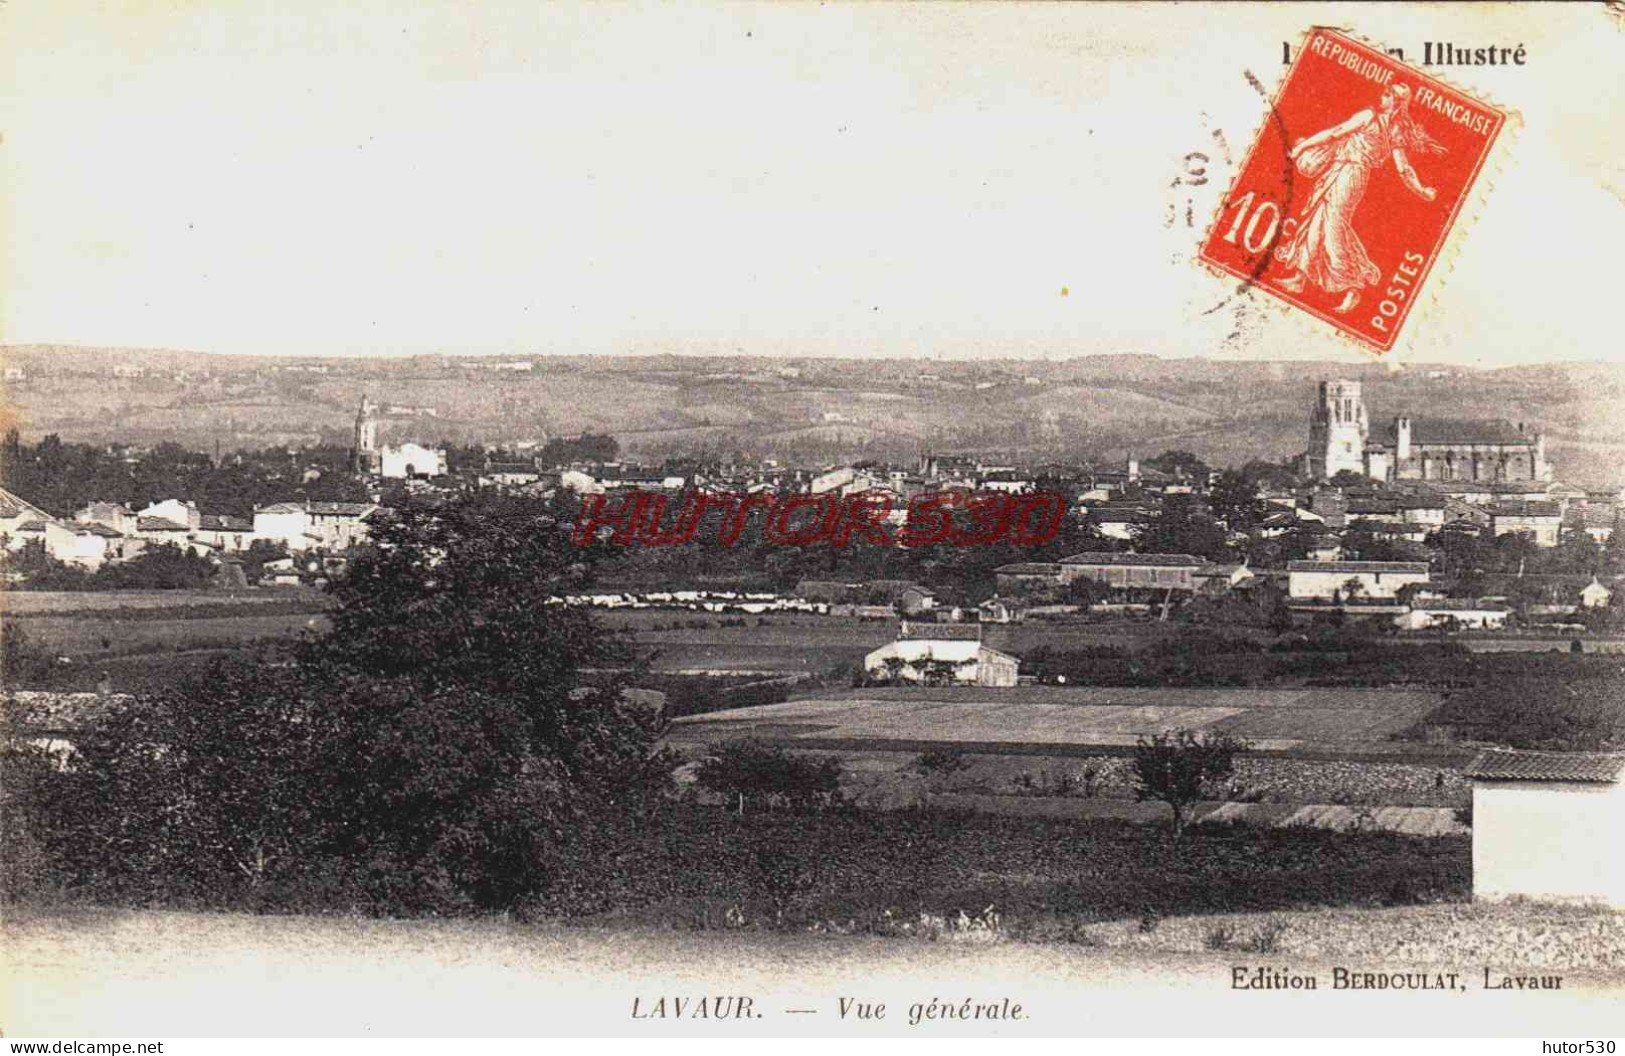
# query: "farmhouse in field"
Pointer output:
{"type": "Point", "coordinates": [1454, 613]}
{"type": "Point", "coordinates": [942, 654]}
{"type": "Point", "coordinates": [906, 595]}
{"type": "Point", "coordinates": [1545, 825]}
{"type": "Point", "coordinates": [1000, 610]}
{"type": "Point", "coordinates": [1375, 579]}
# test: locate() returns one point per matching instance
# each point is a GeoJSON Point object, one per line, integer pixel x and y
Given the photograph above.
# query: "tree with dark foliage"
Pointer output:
{"type": "Point", "coordinates": [431, 753]}
{"type": "Point", "coordinates": [1181, 768]}
{"type": "Point", "coordinates": [751, 770]}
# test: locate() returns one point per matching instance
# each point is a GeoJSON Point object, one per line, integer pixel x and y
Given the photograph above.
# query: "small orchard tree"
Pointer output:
{"type": "Point", "coordinates": [1180, 768]}
{"type": "Point", "coordinates": [747, 770]}
{"type": "Point", "coordinates": [894, 666]}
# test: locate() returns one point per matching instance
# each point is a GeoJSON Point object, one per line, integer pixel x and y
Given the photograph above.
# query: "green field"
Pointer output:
{"type": "Point", "coordinates": [1035, 717]}
{"type": "Point", "coordinates": [90, 637]}
{"type": "Point", "coordinates": [42, 602]}
{"type": "Point", "coordinates": [690, 641]}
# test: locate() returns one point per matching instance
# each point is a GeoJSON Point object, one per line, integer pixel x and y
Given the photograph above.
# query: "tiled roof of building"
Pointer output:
{"type": "Point", "coordinates": [1356, 566]}
{"type": "Point", "coordinates": [939, 632]}
{"type": "Point", "coordinates": [1526, 509]}
{"type": "Point", "coordinates": [159, 524]}
{"type": "Point", "coordinates": [320, 509]}
{"type": "Point", "coordinates": [13, 506]}
{"type": "Point", "coordinates": [97, 509]}
{"type": "Point", "coordinates": [1367, 507]}
{"type": "Point", "coordinates": [1028, 568]}
{"type": "Point", "coordinates": [1461, 431]}
{"type": "Point", "coordinates": [340, 509]}
{"type": "Point", "coordinates": [1134, 560]}
{"type": "Point", "coordinates": [1501, 765]}
{"type": "Point", "coordinates": [897, 587]}
{"type": "Point", "coordinates": [1590, 516]}
{"type": "Point", "coordinates": [99, 529]}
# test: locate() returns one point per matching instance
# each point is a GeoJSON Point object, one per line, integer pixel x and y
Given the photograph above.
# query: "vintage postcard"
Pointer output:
{"type": "Point", "coordinates": [775, 520]}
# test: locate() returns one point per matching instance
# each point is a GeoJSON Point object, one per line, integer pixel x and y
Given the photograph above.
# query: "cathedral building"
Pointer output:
{"type": "Point", "coordinates": [1491, 451]}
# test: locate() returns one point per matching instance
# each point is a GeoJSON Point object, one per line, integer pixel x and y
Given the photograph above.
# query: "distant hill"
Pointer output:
{"type": "Point", "coordinates": [809, 410]}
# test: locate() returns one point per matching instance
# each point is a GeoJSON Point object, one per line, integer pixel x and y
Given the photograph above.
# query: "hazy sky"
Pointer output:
{"type": "Point", "coordinates": [820, 179]}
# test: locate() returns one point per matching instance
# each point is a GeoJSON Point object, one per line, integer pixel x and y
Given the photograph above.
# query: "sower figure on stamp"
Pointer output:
{"type": "Point", "coordinates": [1324, 249]}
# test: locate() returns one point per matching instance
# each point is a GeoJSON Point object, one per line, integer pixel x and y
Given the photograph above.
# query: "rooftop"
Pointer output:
{"type": "Point", "coordinates": [1526, 509]}
{"type": "Point", "coordinates": [1461, 431]}
{"type": "Point", "coordinates": [12, 506]}
{"type": "Point", "coordinates": [1357, 566]}
{"type": "Point", "coordinates": [1135, 560]}
{"type": "Point", "coordinates": [1503, 765]}
{"type": "Point", "coordinates": [939, 632]}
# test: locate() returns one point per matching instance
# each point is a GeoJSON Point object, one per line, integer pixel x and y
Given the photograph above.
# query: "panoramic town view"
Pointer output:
{"type": "Point", "coordinates": [864, 520]}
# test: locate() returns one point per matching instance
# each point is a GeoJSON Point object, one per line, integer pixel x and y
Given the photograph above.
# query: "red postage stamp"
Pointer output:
{"type": "Point", "coordinates": [1348, 193]}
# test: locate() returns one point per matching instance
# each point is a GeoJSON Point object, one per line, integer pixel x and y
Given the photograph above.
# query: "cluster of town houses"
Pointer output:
{"type": "Point", "coordinates": [107, 532]}
{"type": "Point", "coordinates": [1406, 481]}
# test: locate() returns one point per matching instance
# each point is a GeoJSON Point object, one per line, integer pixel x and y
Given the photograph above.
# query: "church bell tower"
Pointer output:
{"type": "Point", "coordinates": [1338, 430]}
{"type": "Point", "coordinates": [366, 436]}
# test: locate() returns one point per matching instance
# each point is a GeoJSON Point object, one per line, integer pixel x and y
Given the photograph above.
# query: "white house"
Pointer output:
{"type": "Point", "coordinates": [580, 483]}
{"type": "Point", "coordinates": [999, 610]}
{"type": "Point", "coordinates": [922, 648]}
{"type": "Point", "coordinates": [1542, 521]}
{"type": "Point", "coordinates": [1594, 595]}
{"type": "Point", "coordinates": [223, 532]}
{"type": "Point", "coordinates": [311, 525]}
{"type": "Point", "coordinates": [162, 530]}
{"type": "Point", "coordinates": [1377, 579]}
{"type": "Point", "coordinates": [1465, 613]}
{"type": "Point", "coordinates": [112, 515]}
{"type": "Point", "coordinates": [1547, 824]}
{"type": "Point", "coordinates": [411, 460]}
{"type": "Point", "coordinates": [175, 511]}
{"type": "Point", "coordinates": [93, 545]}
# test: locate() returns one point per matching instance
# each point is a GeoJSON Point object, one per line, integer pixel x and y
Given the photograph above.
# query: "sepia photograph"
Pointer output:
{"type": "Point", "coordinates": [802, 520]}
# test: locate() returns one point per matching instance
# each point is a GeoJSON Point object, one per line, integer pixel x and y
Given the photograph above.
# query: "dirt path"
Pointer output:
{"type": "Point", "coordinates": [153, 975]}
{"type": "Point", "coordinates": [1413, 821]}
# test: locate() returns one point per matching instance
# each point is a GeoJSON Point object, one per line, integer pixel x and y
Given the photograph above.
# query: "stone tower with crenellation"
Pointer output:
{"type": "Point", "coordinates": [1338, 430]}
